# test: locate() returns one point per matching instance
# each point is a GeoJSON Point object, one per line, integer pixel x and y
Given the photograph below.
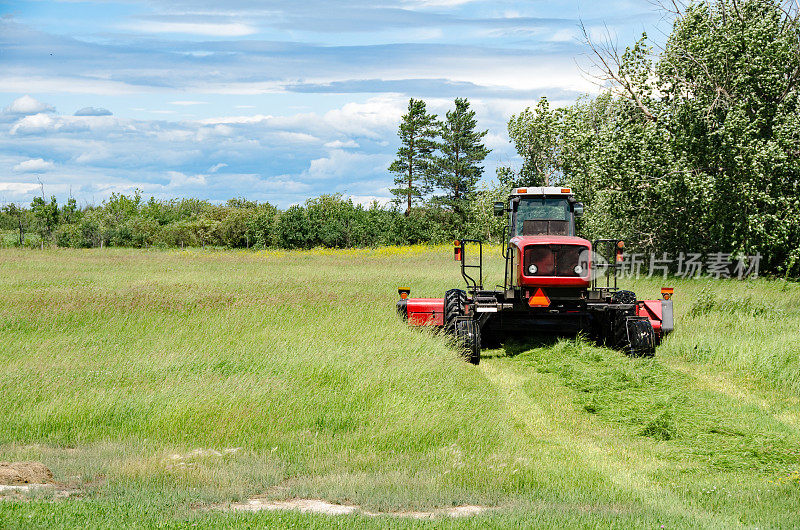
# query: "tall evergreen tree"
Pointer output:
{"type": "Point", "coordinates": [462, 151]}
{"type": "Point", "coordinates": [418, 131]}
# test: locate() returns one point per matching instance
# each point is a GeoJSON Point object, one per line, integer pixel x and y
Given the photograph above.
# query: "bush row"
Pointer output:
{"type": "Point", "coordinates": [327, 221]}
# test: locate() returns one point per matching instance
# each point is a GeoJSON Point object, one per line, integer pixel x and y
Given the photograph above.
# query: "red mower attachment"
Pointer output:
{"type": "Point", "coordinates": [659, 313]}
{"type": "Point", "coordinates": [421, 311]}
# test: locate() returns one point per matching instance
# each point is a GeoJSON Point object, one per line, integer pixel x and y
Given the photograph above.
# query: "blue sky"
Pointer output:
{"type": "Point", "coordinates": [274, 101]}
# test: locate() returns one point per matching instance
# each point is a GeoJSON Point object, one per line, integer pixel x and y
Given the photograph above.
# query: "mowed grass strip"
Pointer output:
{"type": "Point", "coordinates": [164, 383]}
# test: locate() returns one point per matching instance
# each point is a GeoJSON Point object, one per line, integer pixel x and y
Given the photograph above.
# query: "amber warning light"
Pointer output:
{"type": "Point", "coordinates": [404, 292]}
{"type": "Point", "coordinates": [457, 250]}
{"type": "Point", "coordinates": [666, 292]}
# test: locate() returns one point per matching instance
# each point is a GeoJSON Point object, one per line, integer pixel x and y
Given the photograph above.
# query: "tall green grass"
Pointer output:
{"type": "Point", "coordinates": [114, 361]}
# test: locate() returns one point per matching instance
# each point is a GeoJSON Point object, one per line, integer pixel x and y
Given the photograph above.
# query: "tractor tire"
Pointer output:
{"type": "Point", "coordinates": [624, 297]}
{"type": "Point", "coordinates": [468, 339]}
{"type": "Point", "coordinates": [641, 337]}
{"type": "Point", "coordinates": [454, 301]}
{"type": "Point", "coordinates": [632, 335]}
{"type": "Point", "coordinates": [619, 332]}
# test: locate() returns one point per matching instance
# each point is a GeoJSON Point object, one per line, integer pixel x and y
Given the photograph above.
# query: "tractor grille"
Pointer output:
{"type": "Point", "coordinates": [555, 260]}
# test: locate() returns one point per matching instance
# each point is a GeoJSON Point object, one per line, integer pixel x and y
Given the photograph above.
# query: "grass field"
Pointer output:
{"type": "Point", "coordinates": [160, 384]}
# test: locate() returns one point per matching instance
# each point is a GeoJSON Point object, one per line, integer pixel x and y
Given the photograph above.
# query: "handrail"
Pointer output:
{"type": "Point", "coordinates": [608, 265]}
{"type": "Point", "coordinates": [476, 285]}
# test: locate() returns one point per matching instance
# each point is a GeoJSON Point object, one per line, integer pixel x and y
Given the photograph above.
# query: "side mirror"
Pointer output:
{"type": "Point", "coordinates": [499, 208]}
{"type": "Point", "coordinates": [578, 209]}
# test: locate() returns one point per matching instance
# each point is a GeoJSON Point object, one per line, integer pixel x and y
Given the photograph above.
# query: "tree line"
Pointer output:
{"type": "Point", "coordinates": [327, 221]}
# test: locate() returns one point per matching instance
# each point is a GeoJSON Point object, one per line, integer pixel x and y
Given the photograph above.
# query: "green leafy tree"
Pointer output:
{"type": "Point", "coordinates": [334, 222]}
{"type": "Point", "coordinates": [293, 229]}
{"type": "Point", "coordinates": [458, 168]}
{"type": "Point", "coordinates": [535, 136]}
{"type": "Point", "coordinates": [261, 225]}
{"type": "Point", "coordinates": [413, 166]}
{"type": "Point", "coordinates": [46, 215]}
{"type": "Point", "coordinates": [482, 223]}
{"type": "Point", "coordinates": [234, 223]}
{"type": "Point", "coordinates": [70, 212]}
{"type": "Point", "coordinates": [18, 219]}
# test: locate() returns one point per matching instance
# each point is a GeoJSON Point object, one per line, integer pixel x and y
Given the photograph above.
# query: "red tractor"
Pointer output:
{"type": "Point", "coordinates": [550, 285]}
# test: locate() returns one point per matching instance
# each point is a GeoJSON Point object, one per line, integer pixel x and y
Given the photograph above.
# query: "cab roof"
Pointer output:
{"type": "Point", "coordinates": [539, 191]}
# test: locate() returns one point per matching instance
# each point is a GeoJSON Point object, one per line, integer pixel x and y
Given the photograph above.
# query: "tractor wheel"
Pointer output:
{"type": "Point", "coordinates": [468, 339]}
{"type": "Point", "coordinates": [624, 297]}
{"type": "Point", "coordinates": [633, 335]}
{"type": "Point", "coordinates": [454, 301]}
{"type": "Point", "coordinates": [641, 336]}
{"type": "Point", "coordinates": [619, 332]}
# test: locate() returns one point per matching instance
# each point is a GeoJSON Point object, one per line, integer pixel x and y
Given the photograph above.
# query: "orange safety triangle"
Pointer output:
{"type": "Point", "coordinates": [539, 299]}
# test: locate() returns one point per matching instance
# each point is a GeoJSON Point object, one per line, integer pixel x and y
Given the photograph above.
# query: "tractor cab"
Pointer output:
{"type": "Point", "coordinates": [542, 249]}
{"type": "Point", "coordinates": [542, 212]}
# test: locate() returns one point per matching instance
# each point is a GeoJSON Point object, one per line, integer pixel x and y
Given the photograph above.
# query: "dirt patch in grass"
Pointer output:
{"type": "Point", "coordinates": [329, 508]}
{"type": "Point", "coordinates": [24, 473]}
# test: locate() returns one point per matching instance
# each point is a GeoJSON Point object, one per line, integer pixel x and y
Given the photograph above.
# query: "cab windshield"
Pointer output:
{"type": "Point", "coordinates": [536, 217]}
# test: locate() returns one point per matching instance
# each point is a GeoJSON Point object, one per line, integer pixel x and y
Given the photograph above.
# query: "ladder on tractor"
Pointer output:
{"type": "Point", "coordinates": [484, 302]}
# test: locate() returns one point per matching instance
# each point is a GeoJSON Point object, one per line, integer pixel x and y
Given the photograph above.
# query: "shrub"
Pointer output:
{"type": "Point", "coordinates": [293, 228]}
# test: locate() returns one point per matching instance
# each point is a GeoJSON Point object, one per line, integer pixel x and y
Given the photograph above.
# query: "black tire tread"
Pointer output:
{"type": "Point", "coordinates": [454, 300]}
{"type": "Point", "coordinates": [624, 297]}
{"type": "Point", "coordinates": [468, 339]}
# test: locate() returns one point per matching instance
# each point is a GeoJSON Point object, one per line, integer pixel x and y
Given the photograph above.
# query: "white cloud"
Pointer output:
{"type": "Point", "coordinates": [97, 152]}
{"type": "Point", "coordinates": [338, 144]}
{"type": "Point", "coordinates": [346, 150]}
{"type": "Point", "coordinates": [18, 188]}
{"type": "Point", "coordinates": [230, 29]}
{"type": "Point", "coordinates": [179, 180]}
{"type": "Point", "coordinates": [564, 35]}
{"type": "Point", "coordinates": [367, 200]}
{"type": "Point", "coordinates": [27, 105]}
{"type": "Point", "coordinates": [221, 130]}
{"type": "Point", "coordinates": [297, 137]}
{"type": "Point", "coordinates": [42, 123]}
{"type": "Point", "coordinates": [33, 124]}
{"type": "Point", "coordinates": [237, 119]}
{"type": "Point", "coordinates": [374, 119]}
{"type": "Point", "coordinates": [92, 111]}
{"type": "Point", "coordinates": [437, 3]}
{"type": "Point", "coordinates": [61, 84]}
{"type": "Point", "coordinates": [34, 164]}
{"type": "Point", "coordinates": [346, 164]}
{"type": "Point", "coordinates": [494, 141]}
{"type": "Point", "coordinates": [284, 183]}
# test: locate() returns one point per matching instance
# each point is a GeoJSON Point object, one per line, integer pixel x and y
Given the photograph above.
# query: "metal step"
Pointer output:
{"type": "Point", "coordinates": [486, 304]}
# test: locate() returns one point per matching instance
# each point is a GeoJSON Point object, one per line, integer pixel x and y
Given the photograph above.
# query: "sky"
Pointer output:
{"type": "Point", "coordinates": [270, 100]}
